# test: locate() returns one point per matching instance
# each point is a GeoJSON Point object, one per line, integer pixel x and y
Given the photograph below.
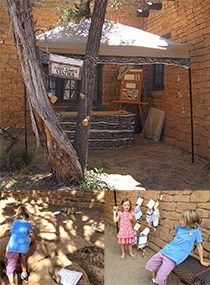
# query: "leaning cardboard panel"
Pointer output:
{"type": "Point", "coordinates": [154, 124]}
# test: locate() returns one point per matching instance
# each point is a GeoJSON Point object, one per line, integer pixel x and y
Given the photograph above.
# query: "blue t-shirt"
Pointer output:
{"type": "Point", "coordinates": [183, 243]}
{"type": "Point", "coordinates": [19, 240]}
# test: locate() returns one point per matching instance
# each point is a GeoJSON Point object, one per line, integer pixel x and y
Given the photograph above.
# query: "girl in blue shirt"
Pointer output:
{"type": "Point", "coordinates": [18, 245]}
{"type": "Point", "coordinates": [175, 252]}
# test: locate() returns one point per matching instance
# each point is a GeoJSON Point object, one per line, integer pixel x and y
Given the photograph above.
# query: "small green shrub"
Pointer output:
{"type": "Point", "coordinates": [92, 180]}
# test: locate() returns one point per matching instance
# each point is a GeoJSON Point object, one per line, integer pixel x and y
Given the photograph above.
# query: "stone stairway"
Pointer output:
{"type": "Point", "coordinates": [108, 129]}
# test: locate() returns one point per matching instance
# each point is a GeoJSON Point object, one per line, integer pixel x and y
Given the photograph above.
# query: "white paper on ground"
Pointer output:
{"type": "Point", "coordinates": [56, 213]}
{"type": "Point", "coordinates": [69, 277]}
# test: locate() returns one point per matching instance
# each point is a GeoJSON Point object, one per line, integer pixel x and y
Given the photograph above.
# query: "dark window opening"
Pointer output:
{"type": "Point", "coordinates": [68, 90]}
{"type": "Point", "coordinates": [158, 77]}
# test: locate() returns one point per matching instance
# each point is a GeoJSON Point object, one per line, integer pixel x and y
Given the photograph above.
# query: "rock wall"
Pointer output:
{"type": "Point", "coordinates": [108, 129]}
{"type": "Point", "coordinates": [110, 83]}
{"type": "Point", "coordinates": [62, 197]}
{"type": "Point", "coordinates": [170, 207]}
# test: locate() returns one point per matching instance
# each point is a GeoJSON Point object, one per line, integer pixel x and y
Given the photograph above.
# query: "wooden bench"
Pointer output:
{"type": "Point", "coordinates": [191, 272]}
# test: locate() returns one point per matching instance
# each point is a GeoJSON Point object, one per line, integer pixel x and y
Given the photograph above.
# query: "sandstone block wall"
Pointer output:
{"type": "Point", "coordinates": [171, 206]}
{"type": "Point", "coordinates": [61, 197]}
{"type": "Point", "coordinates": [110, 90]}
{"type": "Point", "coordinates": [187, 22]}
{"type": "Point", "coordinates": [11, 86]}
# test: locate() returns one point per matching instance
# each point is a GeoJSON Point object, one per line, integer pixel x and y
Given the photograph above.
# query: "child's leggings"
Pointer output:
{"type": "Point", "coordinates": [12, 259]}
{"type": "Point", "coordinates": [162, 265]}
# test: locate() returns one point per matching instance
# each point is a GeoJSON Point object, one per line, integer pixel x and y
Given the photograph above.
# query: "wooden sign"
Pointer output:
{"type": "Point", "coordinates": [65, 67]}
{"type": "Point", "coordinates": [131, 84]}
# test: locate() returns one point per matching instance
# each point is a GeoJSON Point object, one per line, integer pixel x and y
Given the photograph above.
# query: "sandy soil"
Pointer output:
{"type": "Point", "coordinates": [128, 271]}
{"type": "Point", "coordinates": [63, 240]}
{"type": "Point", "coordinates": [152, 166]}
{"type": "Point", "coordinates": [156, 166]}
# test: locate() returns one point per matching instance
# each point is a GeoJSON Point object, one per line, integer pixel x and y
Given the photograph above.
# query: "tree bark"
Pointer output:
{"type": "Point", "coordinates": [61, 156]}
{"type": "Point", "coordinates": [89, 73]}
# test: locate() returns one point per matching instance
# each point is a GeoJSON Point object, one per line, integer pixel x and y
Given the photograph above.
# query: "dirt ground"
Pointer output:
{"type": "Point", "coordinates": [128, 271]}
{"type": "Point", "coordinates": [156, 166]}
{"type": "Point", "coordinates": [147, 165]}
{"type": "Point", "coordinates": [63, 241]}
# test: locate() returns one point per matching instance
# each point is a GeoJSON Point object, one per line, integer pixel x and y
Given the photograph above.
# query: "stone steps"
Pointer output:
{"type": "Point", "coordinates": [111, 130]}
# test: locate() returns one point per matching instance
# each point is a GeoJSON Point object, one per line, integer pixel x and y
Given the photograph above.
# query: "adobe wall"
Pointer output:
{"type": "Point", "coordinates": [11, 87]}
{"type": "Point", "coordinates": [170, 207]}
{"type": "Point", "coordinates": [61, 197]}
{"type": "Point", "coordinates": [110, 90]}
{"type": "Point", "coordinates": [187, 22]}
{"type": "Point", "coordinates": [11, 84]}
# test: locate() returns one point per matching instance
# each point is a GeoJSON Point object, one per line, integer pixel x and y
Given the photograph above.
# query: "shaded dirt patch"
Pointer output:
{"type": "Point", "coordinates": [91, 259]}
{"type": "Point", "coordinates": [61, 239]}
{"type": "Point", "coordinates": [155, 166]}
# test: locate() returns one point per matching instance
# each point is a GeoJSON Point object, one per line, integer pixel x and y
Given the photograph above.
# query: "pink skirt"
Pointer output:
{"type": "Point", "coordinates": [126, 240]}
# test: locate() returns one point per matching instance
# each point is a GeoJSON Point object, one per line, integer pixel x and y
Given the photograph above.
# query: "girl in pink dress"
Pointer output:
{"type": "Point", "coordinates": [126, 232]}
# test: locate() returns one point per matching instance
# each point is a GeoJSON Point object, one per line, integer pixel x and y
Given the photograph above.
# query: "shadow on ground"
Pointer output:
{"type": "Point", "coordinates": [63, 241]}
{"type": "Point", "coordinates": [148, 165]}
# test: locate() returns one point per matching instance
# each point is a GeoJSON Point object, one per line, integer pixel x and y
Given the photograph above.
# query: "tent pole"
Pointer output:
{"type": "Point", "coordinates": [191, 113]}
{"type": "Point", "coordinates": [115, 203]}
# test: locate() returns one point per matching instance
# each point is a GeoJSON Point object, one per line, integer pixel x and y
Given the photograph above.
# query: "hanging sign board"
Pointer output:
{"type": "Point", "coordinates": [65, 67]}
{"type": "Point", "coordinates": [130, 88]}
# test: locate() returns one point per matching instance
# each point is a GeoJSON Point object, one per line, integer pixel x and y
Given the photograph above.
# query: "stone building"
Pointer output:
{"type": "Point", "coordinates": [178, 20]}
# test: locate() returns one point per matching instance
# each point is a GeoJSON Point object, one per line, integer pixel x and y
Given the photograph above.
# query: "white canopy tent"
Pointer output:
{"type": "Point", "coordinates": [117, 41]}
{"type": "Point", "coordinates": [120, 44]}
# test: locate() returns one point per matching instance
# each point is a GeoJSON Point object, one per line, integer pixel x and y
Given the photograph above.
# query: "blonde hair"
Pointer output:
{"type": "Point", "coordinates": [126, 200]}
{"type": "Point", "coordinates": [22, 212]}
{"type": "Point", "coordinates": [191, 218]}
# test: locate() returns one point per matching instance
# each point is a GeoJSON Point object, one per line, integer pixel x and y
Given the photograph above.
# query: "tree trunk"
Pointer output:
{"type": "Point", "coordinates": [61, 155]}
{"type": "Point", "coordinates": [89, 73]}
